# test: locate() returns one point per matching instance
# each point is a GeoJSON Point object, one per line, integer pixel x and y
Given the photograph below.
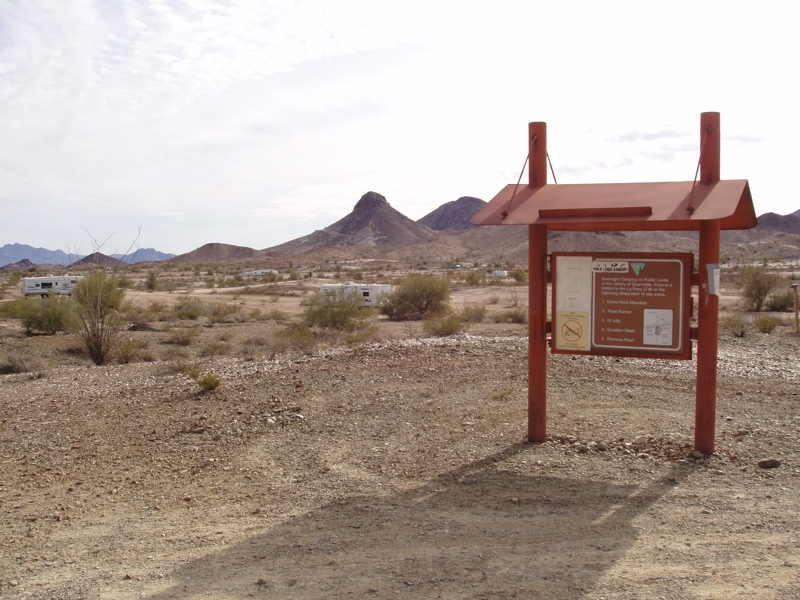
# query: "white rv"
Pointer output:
{"type": "Point", "coordinates": [371, 294]}
{"type": "Point", "coordinates": [52, 284]}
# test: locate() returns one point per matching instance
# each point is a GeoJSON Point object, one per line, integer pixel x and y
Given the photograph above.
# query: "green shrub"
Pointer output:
{"type": "Point", "coordinates": [781, 301]}
{"type": "Point", "coordinates": [190, 308]}
{"type": "Point", "coordinates": [182, 336]}
{"type": "Point", "coordinates": [758, 284]}
{"type": "Point", "coordinates": [473, 313]}
{"type": "Point", "coordinates": [445, 325]}
{"type": "Point", "coordinates": [473, 278]}
{"type": "Point", "coordinates": [222, 312]}
{"type": "Point", "coordinates": [519, 274]}
{"type": "Point", "coordinates": [151, 280]}
{"type": "Point", "coordinates": [418, 296]}
{"type": "Point", "coordinates": [48, 315]}
{"type": "Point", "coordinates": [765, 323]}
{"type": "Point", "coordinates": [207, 382]}
{"type": "Point", "coordinates": [342, 310]}
{"type": "Point", "coordinates": [735, 324]}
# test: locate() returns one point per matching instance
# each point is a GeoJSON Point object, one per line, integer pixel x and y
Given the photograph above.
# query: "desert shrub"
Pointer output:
{"type": "Point", "coordinates": [517, 314]}
{"type": "Point", "coordinates": [757, 285]}
{"type": "Point", "coordinates": [765, 323]}
{"type": "Point", "coordinates": [222, 312]}
{"type": "Point", "coordinates": [214, 349]}
{"type": "Point", "coordinates": [341, 311]}
{"type": "Point", "coordinates": [207, 382]}
{"type": "Point", "coordinates": [473, 278]}
{"type": "Point", "coordinates": [473, 313]}
{"type": "Point", "coordinates": [295, 336]}
{"type": "Point", "coordinates": [181, 336]}
{"type": "Point", "coordinates": [151, 280]}
{"type": "Point", "coordinates": [48, 315]}
{"type": "Point", "coordinates": [97, 315]}
{"type": "Point", "coordinates": [519, 275]}
{"type": "Point", "coordinates": [131, 350]}
{"type": "Point", "coordinates": [735, 324]}
{"type": "Point", "coordinates": [445, 325]}
{"type": "Point", "coordinates": [417, 296]}
{"type": "Point", "coordinates": [781, 301]}
{"type": "Point", "coordinates": [20, 363]}
{"type": "Point", "coordinates": [190, 308]}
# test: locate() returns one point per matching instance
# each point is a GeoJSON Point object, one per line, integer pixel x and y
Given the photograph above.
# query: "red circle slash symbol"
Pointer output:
{"type": "Point", "coordinates": [571, 331]}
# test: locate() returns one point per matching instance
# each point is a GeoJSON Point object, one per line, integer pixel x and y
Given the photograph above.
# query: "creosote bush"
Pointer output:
{"type": "Point", "coordinates": [46, 315]}
{"type": "Point", "coordinates": [758, 284]}
{"type": "Point", "coordinates": [342, 310]}
{"type": "Point", "coordinates": [445, 325]}
{"type": "Point", "coordinates": [766, 323]}
{"type": "Point", "coordinates": [781, 301]}
{"type": "Point", "coordinates": [418, 296]}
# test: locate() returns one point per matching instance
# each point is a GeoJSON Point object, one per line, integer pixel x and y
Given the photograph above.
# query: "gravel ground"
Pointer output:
{"type": "Point", "coordinates": [399, 469]}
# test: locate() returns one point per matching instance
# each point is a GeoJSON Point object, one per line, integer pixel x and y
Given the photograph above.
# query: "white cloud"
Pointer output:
{"type": "Point", "coordinates": [256, 122]}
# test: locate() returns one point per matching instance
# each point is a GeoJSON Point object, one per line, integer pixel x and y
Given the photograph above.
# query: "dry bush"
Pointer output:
{"type": "Point", "coordinates": [735, 324]}
{"type": "Point", "coordinates": [418, 296]}
{"type": "Point", "coordinates": [473, 313]}
{"type": "Point", "coordinates": [131, 350]}
{"type": "Point", "coordinates": [97, 315]}
{"type": "Point", "coordinates": [444, 326]}
{"type": "Point", "coordinates": [20, 363]}
{"type": "Point", "coordinates": [181, 336]}
{"type": "Point", "coordinates": [517, 315]}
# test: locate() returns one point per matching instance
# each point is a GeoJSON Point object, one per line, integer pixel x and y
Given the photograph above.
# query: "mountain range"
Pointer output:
{"type": "Point", "coordinates": [376, 230]}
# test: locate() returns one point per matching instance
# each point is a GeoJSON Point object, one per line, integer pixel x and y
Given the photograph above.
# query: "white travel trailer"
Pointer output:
{"type": "Point", "coordinates": [52, 284]}
{"type": "Point", "coordinates": [371, 294]}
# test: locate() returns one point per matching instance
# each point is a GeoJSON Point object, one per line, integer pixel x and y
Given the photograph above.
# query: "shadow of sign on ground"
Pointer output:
{"type": "Point", "coordinates": [476, 532]}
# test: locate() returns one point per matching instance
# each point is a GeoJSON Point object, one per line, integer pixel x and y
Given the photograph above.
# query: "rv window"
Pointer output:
{"type": "Point", "coordinates": [47, 284]}
{"type": "Point", "coordinates": [365, 294]}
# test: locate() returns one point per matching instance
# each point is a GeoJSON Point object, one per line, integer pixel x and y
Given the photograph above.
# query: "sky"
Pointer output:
{"type": "Point", "coordinates": [175, 123]}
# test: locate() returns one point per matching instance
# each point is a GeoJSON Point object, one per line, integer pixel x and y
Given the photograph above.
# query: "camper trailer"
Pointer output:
{"type": "Point", "coordinates": [371, 294]}
{"type": "Point", "coordinates": [51, 284]}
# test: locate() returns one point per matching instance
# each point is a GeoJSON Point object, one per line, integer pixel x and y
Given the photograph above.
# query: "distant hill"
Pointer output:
{"type": "Point", "coordinates": [98, 258]}
{"type": "Point", "coordinates": [216, 252]}
{"type": "Point", "coordinates": [20, 265]}
{"type": "Point", "coordinates": [453, 216]}
{"type": "Point", "coordinates": [372, 226]}
{"type": "Point", "coordinates": [143, 255]}
{"type": "Point", "coordinates": [785, 223]}
{"type": "Point", "coordinates": [13, 253]}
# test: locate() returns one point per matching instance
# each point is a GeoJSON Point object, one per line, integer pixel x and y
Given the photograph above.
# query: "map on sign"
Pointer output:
{"type": "Point", "coordinates": [621, 304]}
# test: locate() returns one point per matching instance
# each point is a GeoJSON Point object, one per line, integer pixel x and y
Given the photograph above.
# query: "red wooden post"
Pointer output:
{"type": "Point", "coordinates": [537, 294]}
{"type": "Point", "coordinates": [708, 304]}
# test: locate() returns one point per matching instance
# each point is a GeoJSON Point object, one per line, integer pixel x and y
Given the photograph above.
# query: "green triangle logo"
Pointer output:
{"type": "Point", "coordinates": [637, 268]}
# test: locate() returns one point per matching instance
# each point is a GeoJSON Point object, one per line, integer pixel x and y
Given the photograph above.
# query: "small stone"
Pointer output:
{"type": "Point", "coordinates": [769, 463]}
{"type": "Point", "coordinates": [291, 582]}
{"type": "Point", "coordinates": [602, 446]}
{"type": "Point", "coordinates": [697, 454]}
{"type": "Point", "coordinates": [13, 583]}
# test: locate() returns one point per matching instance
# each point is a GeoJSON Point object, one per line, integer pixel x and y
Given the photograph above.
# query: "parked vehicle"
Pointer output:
{"type": "Point", "coordinates": [51, 284]}
{"type": "Point", "coordinates": [372, 294]}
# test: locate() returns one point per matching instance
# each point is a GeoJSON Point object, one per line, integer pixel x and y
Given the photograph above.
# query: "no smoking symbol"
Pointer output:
{"type": "Point", "coordinates": [571, 331]}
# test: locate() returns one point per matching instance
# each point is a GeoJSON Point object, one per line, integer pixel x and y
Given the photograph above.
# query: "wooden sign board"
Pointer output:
{"type": "Point", "coordinates": [622, 304]}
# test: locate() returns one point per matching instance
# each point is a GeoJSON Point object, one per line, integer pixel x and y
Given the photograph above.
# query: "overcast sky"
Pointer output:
{"type": "Point", "coordinates": [253, 122]}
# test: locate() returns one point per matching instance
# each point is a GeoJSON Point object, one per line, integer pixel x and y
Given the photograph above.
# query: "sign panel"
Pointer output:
{"type": "Point", "coordinates": [622, 304]}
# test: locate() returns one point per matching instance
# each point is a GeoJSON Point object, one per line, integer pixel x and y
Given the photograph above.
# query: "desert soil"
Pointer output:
{"type": "Point", "coordinates": [398, 469]}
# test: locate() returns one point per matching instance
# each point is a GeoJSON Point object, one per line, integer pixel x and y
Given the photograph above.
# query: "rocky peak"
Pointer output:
{"type": "Point", "coordinates": [369, 202]}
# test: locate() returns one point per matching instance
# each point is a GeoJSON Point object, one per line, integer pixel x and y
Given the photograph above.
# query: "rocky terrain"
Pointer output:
{"type": "Point", "coordinates": [397, 469]}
